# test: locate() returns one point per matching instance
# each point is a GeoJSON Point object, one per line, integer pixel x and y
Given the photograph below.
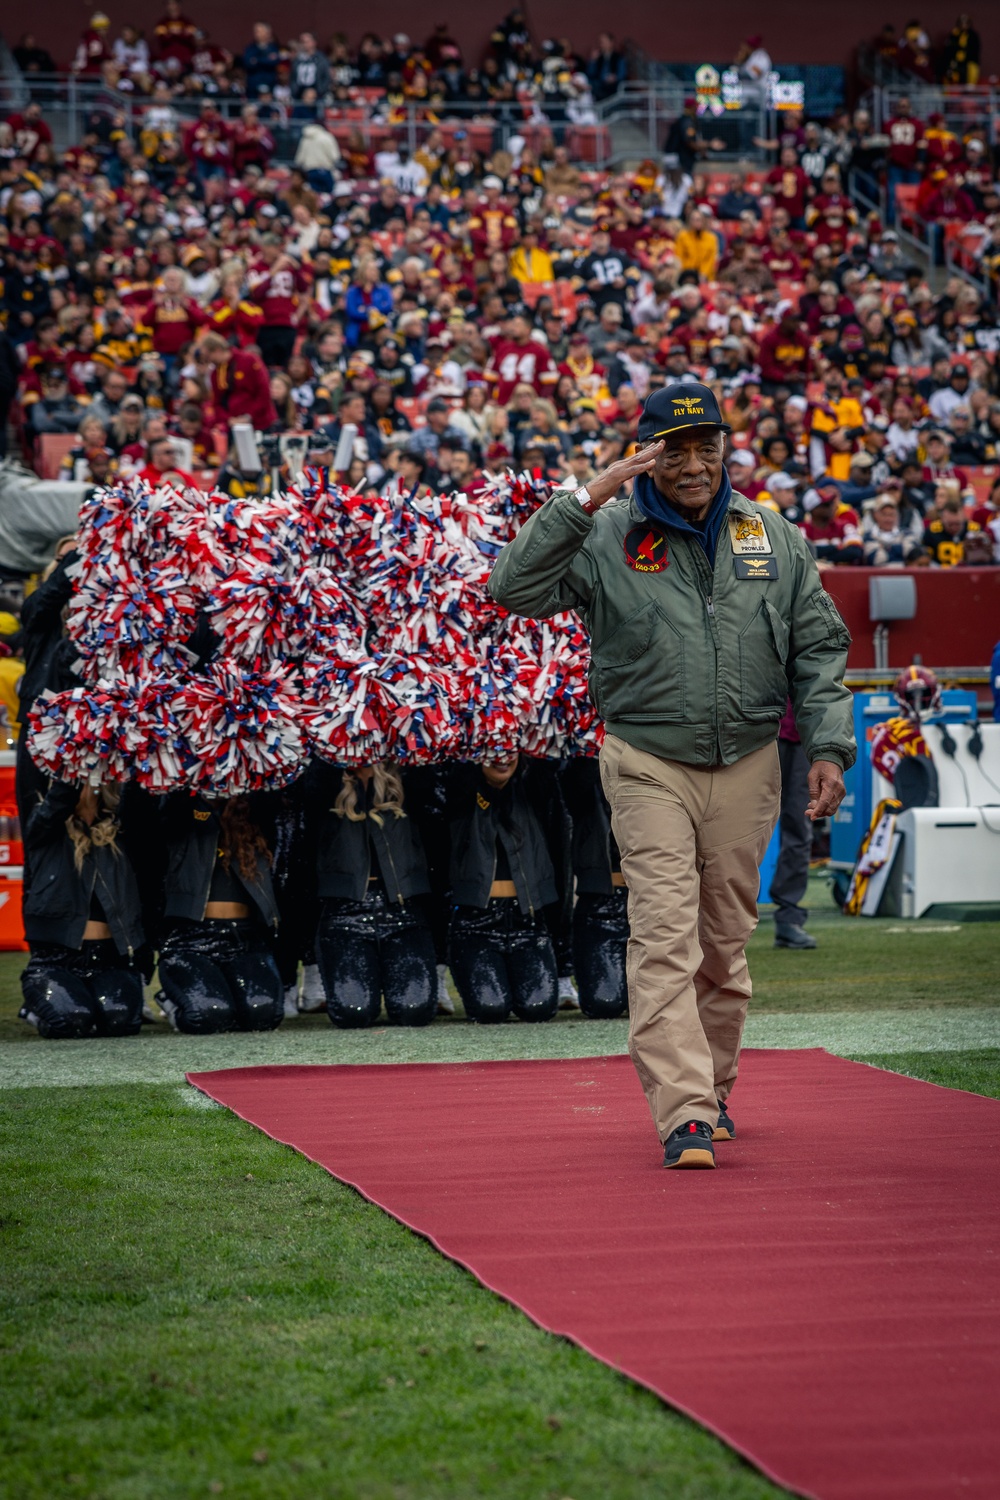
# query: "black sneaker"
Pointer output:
{"type": "Point", "coordinates": [724, 1130]}
{"type": "Point", "coordinates": [793, 937]}
{"type": "Point", "coordinates": [690, 1145]}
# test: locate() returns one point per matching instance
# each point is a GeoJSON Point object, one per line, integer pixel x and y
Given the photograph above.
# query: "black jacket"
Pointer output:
{"type": "Point", "coordinates": [595, 853]}
{"type": "Point", "coordinates": [57, 906]}
{"type": "Point", "coordinates": [191, 829]}
{"type": "Point", "coordinates": [526, 818]}
{"type": "Point", "coordinates": [344, 848]}
{"type": "Point", "coordinates": [41, 623]}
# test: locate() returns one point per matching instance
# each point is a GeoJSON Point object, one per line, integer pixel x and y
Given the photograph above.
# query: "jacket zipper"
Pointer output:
{"type": "Point", "coordinates": [100, 877]}
{"type": "Point", "coordinates": [701, 562]}
{"type": "Point", "coordinates": [524, 881]}
{"type": "Point", "coordinates": [208, 883]}
{"type": "Point", "coordinates": [395, 877]}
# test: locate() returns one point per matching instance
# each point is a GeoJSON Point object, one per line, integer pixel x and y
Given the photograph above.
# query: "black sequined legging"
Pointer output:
{"type": "Point", "coordinates": [600, 938]}
{"type": "Point", "coordinates": [503, 961]}
{"type": "Point", "coordinates": [77, 992]}
{"type": "Point", "coordinates": [221, 976]}
{"type": "Point", "coordinates": [374, 949]}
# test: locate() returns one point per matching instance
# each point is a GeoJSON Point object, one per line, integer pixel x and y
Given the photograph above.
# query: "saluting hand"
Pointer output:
{"type": "Point", "coordinates": [607, 484]}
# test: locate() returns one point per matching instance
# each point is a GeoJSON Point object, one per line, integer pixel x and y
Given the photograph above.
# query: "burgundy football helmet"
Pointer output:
{"type": "Point", "coordinates": [918, 692]}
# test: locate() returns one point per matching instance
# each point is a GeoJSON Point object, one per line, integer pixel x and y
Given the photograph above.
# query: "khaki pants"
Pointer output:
{"type": "Point", "coordinates": [691, 842]}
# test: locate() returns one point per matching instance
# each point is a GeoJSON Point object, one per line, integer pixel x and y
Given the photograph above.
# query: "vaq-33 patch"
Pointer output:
{"type": "Point", "coordinates": [646, 549]}
{"type": "Point", "coordinates": [749, 535]}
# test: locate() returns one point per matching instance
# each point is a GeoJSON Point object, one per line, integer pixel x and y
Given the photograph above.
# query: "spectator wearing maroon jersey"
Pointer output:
{"type": "Point", "coordinates": [950, 202]}
{"type": "Point", "coordinates": [172, 317]}
{"type": "Point", "coordinates": [905, 155]}
{"type": "Point", "coordinates": [790, 187]}
{"type": "Point", "coordinates": [518, 359]}
{"type": "Point", "coordinates": [30, 131]}
{"type": "Point", "coordinates": [93, 50]}
{"type": "Point", "coordinates": [253, 143]}
{"type": "Point", "coordinates": [176, 35]}
{"type": "Point", "coordinates": [780, 256]}
{"type": "Point", "coordinates": [784, 358]}
{"type": "Point", "coordinates": [208, 145]}
{"type": "Point", "coordinates": [832, 527]}
{"type": "Point", "coordinates": [277, 285]}
{"type": "Point", "coordinates": [240, 384]}
{"type": "Point", "coordinates": [831, 214]}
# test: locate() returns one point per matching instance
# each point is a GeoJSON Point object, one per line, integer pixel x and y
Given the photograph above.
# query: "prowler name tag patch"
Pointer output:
{"type": "Point", "coordinates": [749, 535]}
{"type": "Point", "coordinates": [646, 549]}
{"type": "Point", "coordinates": [755, 567]}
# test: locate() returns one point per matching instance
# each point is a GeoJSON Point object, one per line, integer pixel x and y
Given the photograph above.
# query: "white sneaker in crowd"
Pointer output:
{"type": "Point", "coordinates": [291, 1001]}
{"type": "Point", "coordinates": [313, 994]}
{"type": "Point", "coordinates": [446, 1005]}
{"type": "Point", "coordinates": [568, 997]}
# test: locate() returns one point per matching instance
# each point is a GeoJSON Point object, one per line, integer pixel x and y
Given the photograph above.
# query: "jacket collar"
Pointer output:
{"type": "Point", "coordinates": [736, 502]}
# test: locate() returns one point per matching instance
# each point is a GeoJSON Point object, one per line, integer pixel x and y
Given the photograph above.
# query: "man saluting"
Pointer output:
{"type": "Point", "coordinates": [706, 614]}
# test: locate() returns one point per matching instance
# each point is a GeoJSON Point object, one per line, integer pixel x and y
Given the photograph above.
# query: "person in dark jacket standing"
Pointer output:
{"type": "Point", "coordinates": [82, 919]}
{"type": "Point", "coordinates": [374, 939]}
{"type": "Point", "coordinates": [706, 613]}
{"type": "Point", "coordinates": [43, 642]}
{"type": "Point", "coordinates": [600, 916]}
{"type": "Point", "coordinates": [504, 885]}
{"type": "Point", "coordinates": [791, 873]}
{"type": "Point", "coordinates": [217, 967]}
{"type": "Point", "coordinates": [10, 374]}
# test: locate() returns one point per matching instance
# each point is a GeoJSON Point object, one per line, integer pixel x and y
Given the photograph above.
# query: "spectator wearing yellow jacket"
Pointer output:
{"type": "Point", "coordinates": [528, 261]}
{"type": "Point", "coordinates": [697, 248]}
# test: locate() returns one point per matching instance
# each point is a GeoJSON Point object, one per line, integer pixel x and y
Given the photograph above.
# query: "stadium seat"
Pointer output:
{"type": "Point", "coordinates": [563, 299]}
{"type": "Point", "coordinates": [532, 290]}
{"type": "Point", "coordinates": [409, 407]}
{"type": "Point", "coordinates": [589, 143]}
{"type": "Point", "coordinates": [982, 479]}
{"type": "Point", "coordinates": [50, 450]}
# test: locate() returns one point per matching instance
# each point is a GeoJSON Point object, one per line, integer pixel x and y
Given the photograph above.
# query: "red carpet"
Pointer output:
{"type": "Point", "coordinates": [827, 1300]}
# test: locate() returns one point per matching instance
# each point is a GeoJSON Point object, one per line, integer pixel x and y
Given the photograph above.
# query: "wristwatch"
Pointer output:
{"type": "Point", "coordinates": [586, 500]}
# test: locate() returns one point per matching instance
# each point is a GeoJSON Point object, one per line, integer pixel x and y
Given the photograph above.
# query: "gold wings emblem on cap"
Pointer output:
{"type": "Point", "coordinates": [689, 403]}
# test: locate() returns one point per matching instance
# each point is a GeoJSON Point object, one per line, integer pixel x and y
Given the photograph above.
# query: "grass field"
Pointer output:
{"type": "Point", "coordinates": [189, 1309]}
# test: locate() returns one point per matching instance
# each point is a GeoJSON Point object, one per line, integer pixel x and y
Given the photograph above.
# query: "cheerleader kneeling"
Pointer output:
{"type": "Point", "coordinates": [217, 967]}
{"type": "Point", "coordinates": [502, 878]}
{"type": "Point", "coordinates": [82, 918]}
{"type": "Point", "coordinates": [374, 940]}
{"type": "Point", "coordinates": [600, 916]}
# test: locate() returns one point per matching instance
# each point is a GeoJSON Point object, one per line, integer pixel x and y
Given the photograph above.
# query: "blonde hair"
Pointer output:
{"type": "Point", "coordinates": [53, 562]}
{"type": "Point", "coordinates": [388, 798]}
{"type": "Point", "coordinates": [102, 833]}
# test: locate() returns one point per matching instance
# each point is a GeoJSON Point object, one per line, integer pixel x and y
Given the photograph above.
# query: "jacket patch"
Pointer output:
{"type": "Point", "coordinates": [755, 567]}
{"type": "Point", "coordinates": [749, 535]}
{"type": "Point", "coordinates": [201, 816]}
{"type": "Point", "coordinates": [646, 549]}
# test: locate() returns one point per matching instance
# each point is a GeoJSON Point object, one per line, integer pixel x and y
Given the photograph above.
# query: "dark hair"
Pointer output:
{"type": "Point", "coordinates": [240, 839]}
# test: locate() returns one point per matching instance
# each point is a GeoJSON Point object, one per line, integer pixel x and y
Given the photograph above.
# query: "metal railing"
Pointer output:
{"type": "Point", "coordinates": [963, 108]}
{"type": "Point", "coordinates": [629, 125]}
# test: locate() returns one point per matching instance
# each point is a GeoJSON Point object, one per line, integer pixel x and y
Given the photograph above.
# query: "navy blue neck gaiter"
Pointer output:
{"type": "Point", "coordinates": [655, 508]}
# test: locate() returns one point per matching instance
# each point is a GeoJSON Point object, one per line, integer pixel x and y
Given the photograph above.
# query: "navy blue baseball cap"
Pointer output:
{"type": "Point", "coordinates": [673, 408]}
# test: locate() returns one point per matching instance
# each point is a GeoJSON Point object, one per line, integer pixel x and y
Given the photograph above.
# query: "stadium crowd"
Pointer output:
{"type": "Point", "coordinates": [465, 309]}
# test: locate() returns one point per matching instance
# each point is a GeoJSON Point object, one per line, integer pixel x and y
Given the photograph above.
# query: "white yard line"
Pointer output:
{"type": "Point", "coordinates": [155, 1057]}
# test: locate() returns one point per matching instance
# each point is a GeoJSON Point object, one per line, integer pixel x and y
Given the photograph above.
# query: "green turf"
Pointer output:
{"type": "Point", "coordinates": [977, 1071]}
{"type": "Point", "coordinates": [187, 1308]}
{"type": "Point", "coordinates": [190, 1309]}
